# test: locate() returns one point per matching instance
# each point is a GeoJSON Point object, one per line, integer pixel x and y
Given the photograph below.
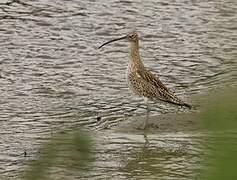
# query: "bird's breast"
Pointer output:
{"type": "Point", "coordinates": [132, 76]}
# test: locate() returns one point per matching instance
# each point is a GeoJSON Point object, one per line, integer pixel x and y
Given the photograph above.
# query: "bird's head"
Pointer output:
{"type": "Point", "coordinates": [132, 36]}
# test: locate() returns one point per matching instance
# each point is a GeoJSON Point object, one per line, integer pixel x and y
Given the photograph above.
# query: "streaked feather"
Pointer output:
{"type": "Point", "coordinates": [144, 83]}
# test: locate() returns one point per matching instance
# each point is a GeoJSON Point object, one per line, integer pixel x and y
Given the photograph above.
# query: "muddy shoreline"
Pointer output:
{"type": "Point", "coordinates": [164, 123]}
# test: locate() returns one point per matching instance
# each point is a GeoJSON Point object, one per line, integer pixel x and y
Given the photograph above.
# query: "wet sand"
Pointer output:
{"type": "Point", "coordinates": [164, 123]}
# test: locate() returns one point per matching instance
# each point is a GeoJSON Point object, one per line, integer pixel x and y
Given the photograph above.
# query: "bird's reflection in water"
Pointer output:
{"type": "Point", "coordinates": [146, 144]}
{"type": "Point", "coordinates": [159, 158]}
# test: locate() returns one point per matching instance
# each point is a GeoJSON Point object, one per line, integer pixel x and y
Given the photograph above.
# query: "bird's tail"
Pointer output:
{"type": "Point", "coordinates": [187, 105]}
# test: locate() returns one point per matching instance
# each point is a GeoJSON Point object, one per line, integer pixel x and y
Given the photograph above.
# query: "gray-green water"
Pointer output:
{"type": "Point", "coordinates": [52, 76]}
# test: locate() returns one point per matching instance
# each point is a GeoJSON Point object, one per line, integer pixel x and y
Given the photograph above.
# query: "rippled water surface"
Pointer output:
{"type": "Point", "coordinates": [52, 75]}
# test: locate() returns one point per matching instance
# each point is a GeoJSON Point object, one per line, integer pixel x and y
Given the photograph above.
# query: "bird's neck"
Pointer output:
{"type": "Point", "coordinates": [135, 60]}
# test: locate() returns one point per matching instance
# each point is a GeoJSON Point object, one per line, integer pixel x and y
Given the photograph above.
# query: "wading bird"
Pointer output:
{"type": "Point", "coordinates": [141, 81]}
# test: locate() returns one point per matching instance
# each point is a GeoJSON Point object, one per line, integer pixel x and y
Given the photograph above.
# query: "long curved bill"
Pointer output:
{"type": "Point", "coordinates": [124, 37]}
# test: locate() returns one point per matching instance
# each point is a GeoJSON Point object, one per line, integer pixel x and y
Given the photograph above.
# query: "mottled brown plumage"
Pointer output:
{"type": "Point", "coordinates": [141, 81]}
{"type": "Point", "coordinates": [144, 83]}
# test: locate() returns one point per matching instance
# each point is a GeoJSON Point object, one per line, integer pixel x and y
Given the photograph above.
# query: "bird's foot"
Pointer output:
{"type": "Point", "coordinates": [148, 126]}
{"type": "Point", "coordinates": [143, 128]}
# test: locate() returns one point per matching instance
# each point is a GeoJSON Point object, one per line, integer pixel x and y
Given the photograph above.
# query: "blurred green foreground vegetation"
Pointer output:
{"type": "Point", "coordinates": [219, 117]}
{"type": "Point", "coordinates": [71, 151]}
{"type": "Point", "coordinates": [66, 154]}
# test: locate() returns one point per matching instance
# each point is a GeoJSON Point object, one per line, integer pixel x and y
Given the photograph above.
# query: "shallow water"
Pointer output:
{"type": "Point", "coordinates": [52, 75]}
{"type": "Point", "coordinates": [169, 156]}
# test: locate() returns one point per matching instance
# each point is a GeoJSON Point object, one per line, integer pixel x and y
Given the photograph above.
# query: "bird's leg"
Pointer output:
{"type": "Point", "coordinates": [147, 114]}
